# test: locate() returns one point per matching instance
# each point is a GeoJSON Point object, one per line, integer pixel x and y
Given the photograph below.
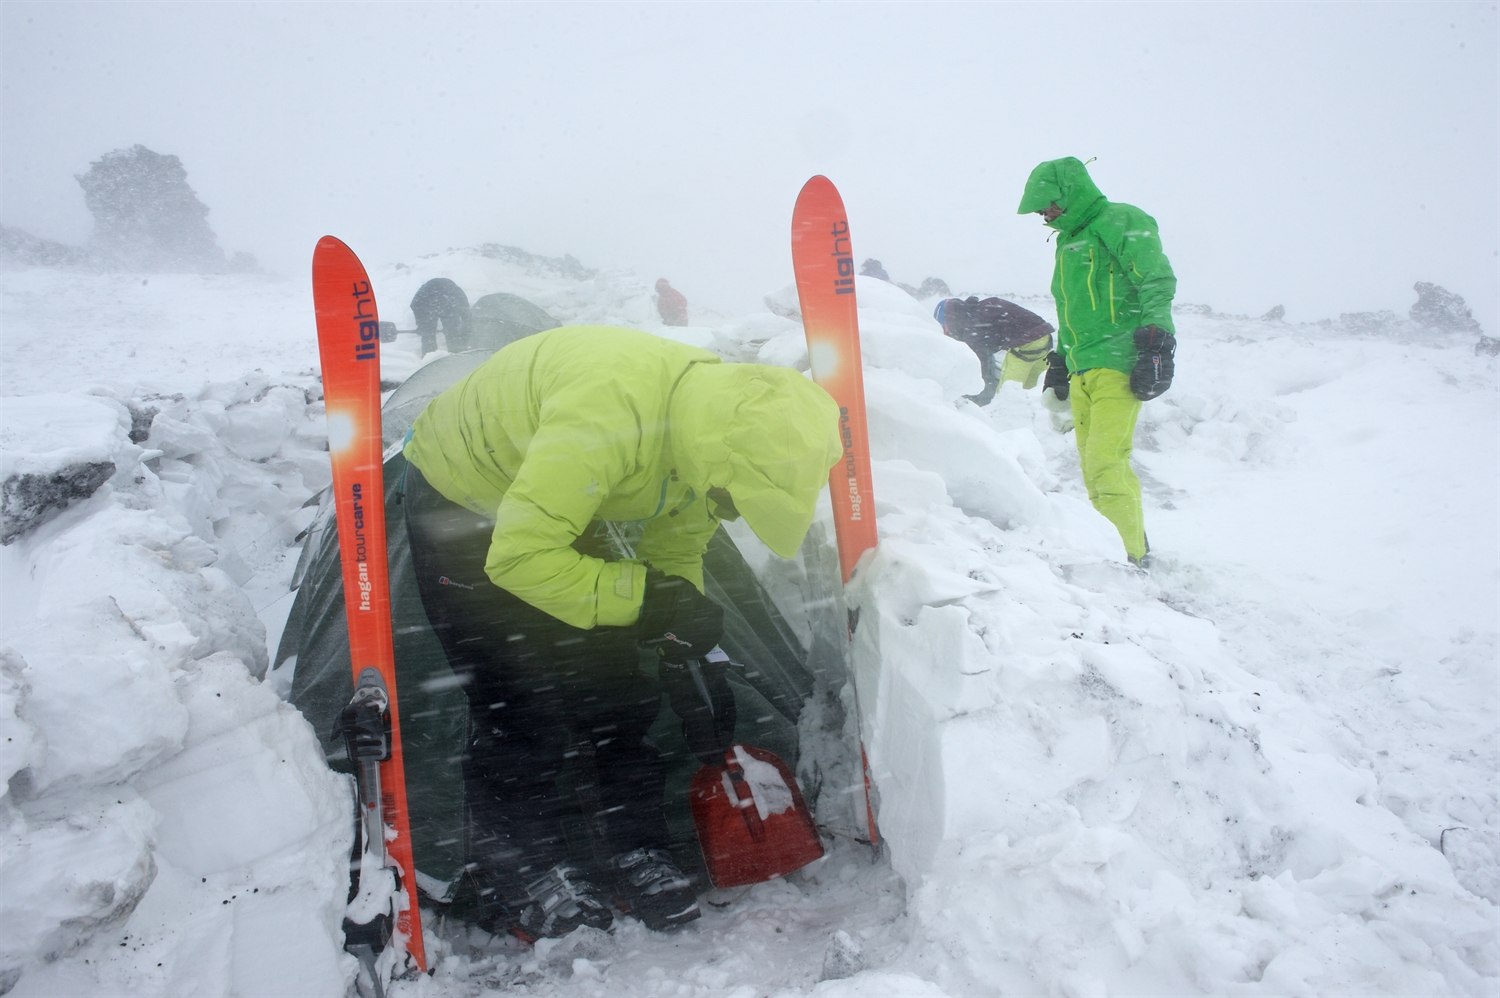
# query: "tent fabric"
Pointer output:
{"type": "Point", "coordinates": [501, 318]}
{"type": "Point", "coordinates": [405, 404]}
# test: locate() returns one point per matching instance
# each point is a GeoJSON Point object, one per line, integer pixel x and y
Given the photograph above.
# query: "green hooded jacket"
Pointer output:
{"type": "Point", "coordinates": [589, 423]}
{"type": "Point", "coordinates": [1111, 276]}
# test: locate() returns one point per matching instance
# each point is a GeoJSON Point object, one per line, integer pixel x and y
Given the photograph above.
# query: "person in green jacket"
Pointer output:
{"type": "Point", "coordinates": [1113, 287]}
{"type": "Point", "coordinates": [507, 471]}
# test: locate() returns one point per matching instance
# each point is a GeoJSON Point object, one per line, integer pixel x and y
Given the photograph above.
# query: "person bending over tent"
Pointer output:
{"type": "Point", "coordinates": [1114, 289]}
{"type": "Point", "coordinates": [507, 469]}
{"type": "Point", "coordinates": [440, 300]}
{"type": "Point", "coordinates": [994, 326]}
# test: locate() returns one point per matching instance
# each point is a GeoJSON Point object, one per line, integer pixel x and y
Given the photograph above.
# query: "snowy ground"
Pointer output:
{"type": "Point", "coordinates": [1266, 768]}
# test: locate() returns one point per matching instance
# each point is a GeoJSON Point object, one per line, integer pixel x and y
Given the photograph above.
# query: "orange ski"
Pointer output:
{"type": "Point", "coordinates": [823, 260]}
{"type": "Point", "coordinates": [349, 347]}
{"type": "Point", "coordinates": [824, 265]}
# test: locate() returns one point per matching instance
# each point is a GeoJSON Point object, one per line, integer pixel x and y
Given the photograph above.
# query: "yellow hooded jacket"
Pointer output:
{"type": "Point", "coordinates": [589, 423]}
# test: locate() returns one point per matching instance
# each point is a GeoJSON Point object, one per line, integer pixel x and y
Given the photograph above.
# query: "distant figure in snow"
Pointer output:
{"type": "Point", "coordinates": [671, 305]}
{"type": "Point", "coordinates": [994, 326]}
{"type": "Point", "coordinates": [872, 268]}
{"type": "Point", "coordinates": [1114, 289]}
{"type": "Point", "coordinates": [440, 300]}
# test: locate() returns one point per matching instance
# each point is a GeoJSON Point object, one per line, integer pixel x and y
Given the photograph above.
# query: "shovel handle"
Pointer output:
{"type": "Point", "coordinates": [744, 798]}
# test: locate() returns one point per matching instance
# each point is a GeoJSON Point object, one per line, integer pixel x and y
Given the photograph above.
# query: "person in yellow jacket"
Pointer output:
{"type": "Point", "coordinates": [1114, 288]}
{"type": "Point", "coordinates": [507, 470]}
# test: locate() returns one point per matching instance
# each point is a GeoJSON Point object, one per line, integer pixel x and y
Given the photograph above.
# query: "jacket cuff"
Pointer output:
{"type": "Point", "coordinates": [622, 586]}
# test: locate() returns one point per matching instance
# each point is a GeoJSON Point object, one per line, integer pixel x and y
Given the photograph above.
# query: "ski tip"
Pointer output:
{"type": "Point", "coordinates": [815, 183]}
{"type": "Point", "coordinates": [330, 246]}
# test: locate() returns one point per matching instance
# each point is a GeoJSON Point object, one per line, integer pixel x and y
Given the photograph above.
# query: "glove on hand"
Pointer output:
{"type": "Point", "coordinates": [677, 620]}
{"type": "Point", "coordinates": [1057, 376]}
{"type": "Point", "coordinates": [701, 698]}
{"type": "Point", "coordinates": [1154, 367]}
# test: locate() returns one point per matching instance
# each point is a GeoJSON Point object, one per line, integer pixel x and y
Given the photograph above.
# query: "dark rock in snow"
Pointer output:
{"type": "Point", "coordinates": [1276, 314]}
{"type": "Point", "coordinates": [565, 266]}
{"type": "Point", "coordinates": [1439, 308]}
{"type": "Point", "coordinates": [1370, 322]}
{"type": "Point", "coordinates": [19, 248]}
{"type": "Point", "coordinates": [146, 217]}
{"type": "Point", "coordinates": [140, 421]}
{"type": "Point", "coordinates": [933, 287]}
{"type": "Point", "coordinates": [29, 500]}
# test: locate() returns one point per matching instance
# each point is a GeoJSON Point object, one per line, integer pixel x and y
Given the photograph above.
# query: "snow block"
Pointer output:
{"type": "Point", "coordinates": [20, 740]}
{"type": "Point", "coordinates": [56, 451]}
{"type": "Point", "coordinates": [68, 880]}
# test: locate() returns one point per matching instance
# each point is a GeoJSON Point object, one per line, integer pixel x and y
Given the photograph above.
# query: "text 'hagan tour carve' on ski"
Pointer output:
{"type": "Point", "coordinates": [361, 547]}
{"type": "Point", "coordinates": [856, 506]}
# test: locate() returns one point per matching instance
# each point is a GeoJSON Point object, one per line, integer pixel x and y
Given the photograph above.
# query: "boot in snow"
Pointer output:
{"type": "Point", "coordinates": [558, 902]}
{"type": "Point", "coordinates": [650, 886]}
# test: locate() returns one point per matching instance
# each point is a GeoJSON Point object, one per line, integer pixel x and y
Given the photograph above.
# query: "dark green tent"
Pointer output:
{"type": "Point", "coordinates": [773, 686]}
{"type": "Point", "coordinates": [501, 318]}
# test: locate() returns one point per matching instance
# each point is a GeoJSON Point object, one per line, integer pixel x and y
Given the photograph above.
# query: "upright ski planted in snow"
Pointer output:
{"type": "Point", "coordinates": [823, 260]}
{"type": "Point", "coordinates": [349, 346]}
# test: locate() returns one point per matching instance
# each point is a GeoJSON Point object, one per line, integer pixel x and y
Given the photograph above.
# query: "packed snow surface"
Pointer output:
{"type": "Point", "coordinates": [1267, 767]}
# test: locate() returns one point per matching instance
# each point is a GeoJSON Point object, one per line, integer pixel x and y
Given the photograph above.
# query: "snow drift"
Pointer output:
{"type": "Point", "coordinates": [1266, 768]}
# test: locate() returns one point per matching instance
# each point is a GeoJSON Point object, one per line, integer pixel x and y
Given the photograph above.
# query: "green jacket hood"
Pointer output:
{"type": "Point", "coordinates": [1067, 182]}
{"type": "Point", "coordinates": [767, 435]}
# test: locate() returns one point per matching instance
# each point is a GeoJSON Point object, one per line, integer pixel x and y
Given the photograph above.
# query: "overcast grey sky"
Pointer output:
{"type": "Point", "coordinates": [1320, 156]}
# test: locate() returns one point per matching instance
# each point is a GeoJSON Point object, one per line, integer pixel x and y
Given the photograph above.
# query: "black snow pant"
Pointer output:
{"type": "Point", "coordinates": [454, 331]}
{"type": "Point", "coordinates": [538, 691]}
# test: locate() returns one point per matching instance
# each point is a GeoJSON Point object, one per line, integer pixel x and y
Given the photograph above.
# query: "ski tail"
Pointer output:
{"type": "Point", "coordinates": [349, 348]}
{"type": "Point", "coordinates": [823, 260]}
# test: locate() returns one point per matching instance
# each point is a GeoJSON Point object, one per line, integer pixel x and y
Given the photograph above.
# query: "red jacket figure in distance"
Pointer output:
{"type": "Point", "coordinates": [671, 304]}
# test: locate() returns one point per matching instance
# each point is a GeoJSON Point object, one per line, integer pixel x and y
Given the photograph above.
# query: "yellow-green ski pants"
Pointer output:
{"type": "Point", "coordinates": [1104, 415]}
{"type": "Point", "coordinates": [1026, 363]}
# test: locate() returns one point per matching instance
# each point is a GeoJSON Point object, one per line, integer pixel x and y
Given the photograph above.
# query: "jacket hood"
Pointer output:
{"type": "Point", "coordinates": [1065, 181]}
{"type": "Point", "coordinates": [765, 434]}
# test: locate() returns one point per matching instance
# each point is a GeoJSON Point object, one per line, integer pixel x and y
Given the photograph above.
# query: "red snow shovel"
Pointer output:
{"type": "Point", "coordinates": [752, 823]}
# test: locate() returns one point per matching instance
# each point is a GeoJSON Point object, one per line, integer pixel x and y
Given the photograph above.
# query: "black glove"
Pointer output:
{"type": "Point", "coordinates": [677, 620]}
{"type": "Point", "coordinates": [707, 711]}
{"type": "Point", "coordinates": [1153, 365]}
{"type": "Point", "coordinates": [1057, 376]}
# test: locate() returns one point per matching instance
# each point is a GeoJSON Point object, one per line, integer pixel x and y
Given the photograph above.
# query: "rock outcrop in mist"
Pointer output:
{"type": "Point", "coordinates": [146, 218]}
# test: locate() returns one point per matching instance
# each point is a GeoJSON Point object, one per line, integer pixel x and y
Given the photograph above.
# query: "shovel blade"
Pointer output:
{"type": "Point", "coordinates": [753, 824]}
